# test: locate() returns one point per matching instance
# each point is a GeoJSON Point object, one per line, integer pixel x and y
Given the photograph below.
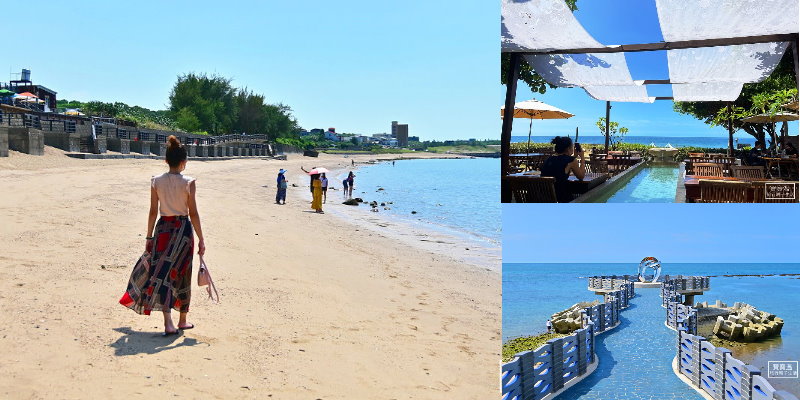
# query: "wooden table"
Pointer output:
{"type": "Point", "coordinates": [778, 163]}
{"type": "Point", "coordinates": [576, 186]}
{"type": "Point", "coordinates": [692, 185]}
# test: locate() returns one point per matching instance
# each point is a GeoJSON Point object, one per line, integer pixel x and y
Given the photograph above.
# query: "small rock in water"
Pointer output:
{"type": "Point", "coordinates": [379, 189]}
{"type": "Point", "coordinates": [383, 204]}
{"type": "Point", "coordinates": [413, 212]}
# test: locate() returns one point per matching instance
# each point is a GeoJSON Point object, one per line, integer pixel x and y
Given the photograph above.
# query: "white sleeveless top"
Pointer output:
{"type": "Point", "coordinates": [173, 193]}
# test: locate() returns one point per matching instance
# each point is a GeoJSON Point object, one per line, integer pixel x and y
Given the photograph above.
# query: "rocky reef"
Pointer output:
{"type": "Point", "coordinates": [569, 320]}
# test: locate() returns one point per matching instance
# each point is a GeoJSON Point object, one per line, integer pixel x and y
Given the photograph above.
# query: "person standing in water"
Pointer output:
{"type": "Point", "coordinates": [283, 184]}
{"type": "Point", "coordinates": [316, 190]}
{"type": "Point", "coordinates": [345, 186]}
{"type": "Point", "coordinates": [324, 182]}
{"type": "Point", "coordinates": [350, 182]}
{"type": "Point", "coordinates": [162, 279]}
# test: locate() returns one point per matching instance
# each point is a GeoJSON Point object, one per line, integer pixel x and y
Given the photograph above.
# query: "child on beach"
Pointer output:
{"type": "Point", "coordinates": [282, 185]}
{"type": "Point", "coordinates": [324, 182]}
{"type": "Point", "coordinates": [162, 279]}
{"type": "Point", "coordinates": [344, 186]}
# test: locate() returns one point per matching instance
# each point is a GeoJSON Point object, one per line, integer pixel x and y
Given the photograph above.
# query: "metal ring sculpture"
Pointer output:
{"type": "Point", "coordinates": [646, 264]}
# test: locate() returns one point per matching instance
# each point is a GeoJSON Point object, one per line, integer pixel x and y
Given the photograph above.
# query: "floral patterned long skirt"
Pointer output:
{"type": "Point", "coordinates": [162, 279]}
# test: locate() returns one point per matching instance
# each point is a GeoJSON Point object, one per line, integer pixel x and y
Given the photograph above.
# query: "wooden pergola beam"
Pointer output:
{"type": "Point", "coordinates": [686, 44]}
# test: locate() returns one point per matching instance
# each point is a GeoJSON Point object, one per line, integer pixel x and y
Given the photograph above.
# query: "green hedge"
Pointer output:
{"type": "Point", "coordinates": [683, 152]}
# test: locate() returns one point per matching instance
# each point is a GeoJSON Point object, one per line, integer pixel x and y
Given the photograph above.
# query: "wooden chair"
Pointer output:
{"type": "Point", "coordinates": [620, 162]}
{"type": "Point", "coordinates": [726, 162]}
{"type": "Point", "coordinates": [598, 163]}
{"type": "Point", "coordinates": [712, 191]}
{"type": "Point", "coordinates": [515, 165]}
{"type": "Point", "coordinates": [697, 155]}
{"type": "Point", "coordinates": [747, 172]}
{"type": "Point", "coordinates": [707, 169]}
{"type": "Point", "coordinates": [535, 162]}
{"type": "Point", "coordinates": [760, 193]}
{"type": "Point", "coordinates": [526, 189]}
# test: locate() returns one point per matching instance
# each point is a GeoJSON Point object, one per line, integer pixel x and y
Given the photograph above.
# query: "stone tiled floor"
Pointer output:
{"type": "Point", "coordinates": [635, 358]}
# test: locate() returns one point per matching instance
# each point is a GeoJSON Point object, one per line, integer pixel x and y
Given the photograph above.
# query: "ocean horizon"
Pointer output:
{"type": "Point", "coordinates": [658, 141]}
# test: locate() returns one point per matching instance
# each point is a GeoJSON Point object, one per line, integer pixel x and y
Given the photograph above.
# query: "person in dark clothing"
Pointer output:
{"type": "Point", "coordinates": [789, 148]}
{"type": "Point", "coordinates": [561, 165]}
{"type": "Point", "coordinates": [754, 156]}
{"type": "Point", "coordinates": [282, 185]}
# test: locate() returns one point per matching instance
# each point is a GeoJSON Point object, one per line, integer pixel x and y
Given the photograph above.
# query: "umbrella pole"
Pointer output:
{"type": "Point", "coordinates": [608, 116]}
{"type": "Point", "coordinates": [730, 130]}
{"type": "Point", "coordinates": [530, 129]}
{"type": "Point", "coordinates": [508, 120]}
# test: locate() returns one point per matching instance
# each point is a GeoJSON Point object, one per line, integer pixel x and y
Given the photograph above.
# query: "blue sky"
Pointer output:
{"type": "Point", "coordinates": [621, 22]}
{"type": "Point", "coordinates": [354, 65]}
{"type": "Point", "coordinates": [590, 233]}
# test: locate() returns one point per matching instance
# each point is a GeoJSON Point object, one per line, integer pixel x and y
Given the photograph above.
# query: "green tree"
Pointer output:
{"type": "Point", "coordinates": [756, 98]}
{"type": "Point", "coordinates": [616, 133]}
{"type": "Point", "coordinates": [209, 99]}
{"type": "Point", "coordinates": [526, 72]}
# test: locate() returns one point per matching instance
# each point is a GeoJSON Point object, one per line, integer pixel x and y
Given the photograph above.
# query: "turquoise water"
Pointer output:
{"type": "Point", "coordinates": [532, 292]}
{"type": "Point", "coordinates": [653, 184]}
{"type": "Point", "coordinates": [458, 194]}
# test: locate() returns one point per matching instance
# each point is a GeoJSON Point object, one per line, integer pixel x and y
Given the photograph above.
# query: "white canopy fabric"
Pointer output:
{"type": "Point", "coordinates": [636, 94]}
{"type": "Point", "coordinates": [541, 25]}
{"type": "Point", "coordinates": [716, 19]}
{"type": "Point", "coordinates": [744, 63]}
{"type": "Point", "coordinates": [591, 69]}
{"type": "Point", "coordinates": [707, 91]}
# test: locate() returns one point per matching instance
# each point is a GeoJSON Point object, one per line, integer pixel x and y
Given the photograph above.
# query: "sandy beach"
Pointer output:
{"type": "Point", "coordinates": [336, 306]}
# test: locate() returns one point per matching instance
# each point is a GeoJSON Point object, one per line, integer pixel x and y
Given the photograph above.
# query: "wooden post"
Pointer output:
{"type": "Point", "coordinates": [795, 51]}
{"type": "Point", "coordinates": [508, 121]}
{"type": "Point", "coordinates": [730, 129]}
{"type": "Point", "coordinates": [608, 121]}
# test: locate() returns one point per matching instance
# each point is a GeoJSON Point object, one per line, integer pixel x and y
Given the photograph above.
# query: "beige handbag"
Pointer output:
{"type": "Point", "coordinates": [204, 279]}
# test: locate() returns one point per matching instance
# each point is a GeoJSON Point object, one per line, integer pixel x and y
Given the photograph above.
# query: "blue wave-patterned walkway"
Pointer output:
{"type": "Point", "coordinates": [635, 358]}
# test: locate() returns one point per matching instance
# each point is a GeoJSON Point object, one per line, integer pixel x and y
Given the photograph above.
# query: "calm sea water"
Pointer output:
{"type": "Point", "coordinates": [532, 292]}
{"type": "Point", "coordinates": [659, 141]}
{"type": "Point", "coordinates": [457, 194]}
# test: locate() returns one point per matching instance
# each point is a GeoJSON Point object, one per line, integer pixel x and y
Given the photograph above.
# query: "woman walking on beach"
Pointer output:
{"type": "Point", "coordinates": [162, 278]}
{"type": "Point", "coordinates": [561, 165]}
{"type": "Point", "coordinates": [316, 190]}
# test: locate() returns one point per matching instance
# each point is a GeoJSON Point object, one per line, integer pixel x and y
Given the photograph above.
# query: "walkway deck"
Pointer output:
{"type": "Point", "coordinates": [635, 358]}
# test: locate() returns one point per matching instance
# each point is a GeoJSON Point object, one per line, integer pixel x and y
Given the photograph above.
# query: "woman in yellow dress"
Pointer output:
{"type": "Point", "coordinates": [316, 190]}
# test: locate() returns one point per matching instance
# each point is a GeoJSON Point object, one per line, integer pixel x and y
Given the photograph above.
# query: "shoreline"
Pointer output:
{"type": "Point", "coordinates": [476, 250]}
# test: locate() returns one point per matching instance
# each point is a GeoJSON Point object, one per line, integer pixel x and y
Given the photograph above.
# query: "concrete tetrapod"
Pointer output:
{"type": "Point", "coordinates": [747, 324]}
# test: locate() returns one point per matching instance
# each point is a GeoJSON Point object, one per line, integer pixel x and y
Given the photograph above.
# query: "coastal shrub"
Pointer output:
{"type": "Point", "coordinates": [526, 343]}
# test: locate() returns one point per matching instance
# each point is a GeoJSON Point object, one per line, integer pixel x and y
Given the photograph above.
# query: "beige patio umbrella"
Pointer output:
{"type": "Point", "coordinates": [771, 119]}
{"type": "Point", "coordinates": [768, 119]}
{"type": "Point", "coordinates": [535, 109]}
